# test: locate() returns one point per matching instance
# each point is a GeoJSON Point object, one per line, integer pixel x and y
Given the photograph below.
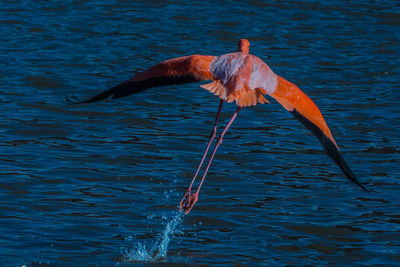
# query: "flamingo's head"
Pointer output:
{"type": "Point", "coordinates": [243, 46]}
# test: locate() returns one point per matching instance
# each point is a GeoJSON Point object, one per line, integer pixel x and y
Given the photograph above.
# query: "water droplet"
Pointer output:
{"type": "Point", "coordinates": [159, 249]}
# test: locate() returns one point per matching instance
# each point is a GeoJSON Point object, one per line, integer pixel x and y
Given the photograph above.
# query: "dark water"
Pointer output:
{"type": "Point", "coordinates": [100, 184]}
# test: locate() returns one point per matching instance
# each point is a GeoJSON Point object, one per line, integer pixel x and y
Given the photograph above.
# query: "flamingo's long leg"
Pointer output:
{"type": "Point", "coordinates": [212, 136]}
{"type": "Point", "coordinates": [188, 202]}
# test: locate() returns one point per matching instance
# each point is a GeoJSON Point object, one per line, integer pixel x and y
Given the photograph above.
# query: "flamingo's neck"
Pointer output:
{"type": "Point", "coordinates": [243, 46]}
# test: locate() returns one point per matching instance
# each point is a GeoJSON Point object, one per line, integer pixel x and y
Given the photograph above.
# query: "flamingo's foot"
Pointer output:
{"type": "Point", "coordinates": [188, 201]}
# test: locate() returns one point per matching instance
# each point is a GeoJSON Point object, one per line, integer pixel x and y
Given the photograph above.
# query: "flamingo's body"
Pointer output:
{"type": "Point", "coordinates": [237, 77]}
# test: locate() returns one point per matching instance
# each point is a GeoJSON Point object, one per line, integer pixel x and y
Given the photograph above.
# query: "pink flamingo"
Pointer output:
{"type": "Point", "coordinates": [236, 77]}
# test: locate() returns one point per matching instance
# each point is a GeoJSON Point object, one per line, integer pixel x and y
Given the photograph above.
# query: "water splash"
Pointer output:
{"type": "Point", "coordinates": [159, 249]}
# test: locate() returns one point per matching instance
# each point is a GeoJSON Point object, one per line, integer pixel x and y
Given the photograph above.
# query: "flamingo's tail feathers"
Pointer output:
{"type": "Point", "coordinates": [216, 88]}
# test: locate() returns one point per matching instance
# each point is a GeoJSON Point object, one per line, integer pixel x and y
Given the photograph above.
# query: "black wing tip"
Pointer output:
{"type": "Point", "coordinates": [113, 93]}
{"type": "Point", "coordinates": [331, 149]}
{"type": "Point", "coordinates": [72, 100]}
{"type": "Point", "coordinates": [335, 154]}
{"type": "Point", "coordinates": [134, 87]}
{"type": "Point", "coordinates": [361, 184]}
{"type": "Point", "coordinates": [365, 183]}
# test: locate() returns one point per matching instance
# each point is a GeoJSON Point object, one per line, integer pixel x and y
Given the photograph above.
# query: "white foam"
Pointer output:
{"type": "Point", "coordinates": [158, 250]}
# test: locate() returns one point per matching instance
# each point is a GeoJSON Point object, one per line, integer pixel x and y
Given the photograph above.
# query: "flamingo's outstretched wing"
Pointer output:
{"type": "Point", "coordinates": [173, 71]}
{"type": "Point", "coordinates": [306, 111]}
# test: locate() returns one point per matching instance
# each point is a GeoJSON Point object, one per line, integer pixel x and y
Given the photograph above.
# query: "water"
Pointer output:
{"type": "Point", "coordinates": [158, 250]}
{"type": "Point", "coordinates": [94, 184]}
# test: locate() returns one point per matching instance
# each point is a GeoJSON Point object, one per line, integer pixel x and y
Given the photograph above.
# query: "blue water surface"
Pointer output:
{"type": "Point", "coordinates": [99, 184]}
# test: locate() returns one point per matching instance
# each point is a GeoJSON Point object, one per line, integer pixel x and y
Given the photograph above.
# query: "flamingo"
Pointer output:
{"type": "Point", "coordinates": [237, 77]}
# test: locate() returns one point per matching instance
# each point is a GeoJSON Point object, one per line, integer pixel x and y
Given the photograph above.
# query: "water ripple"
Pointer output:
{"type": "Point", "coordinates": [100, 184]}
